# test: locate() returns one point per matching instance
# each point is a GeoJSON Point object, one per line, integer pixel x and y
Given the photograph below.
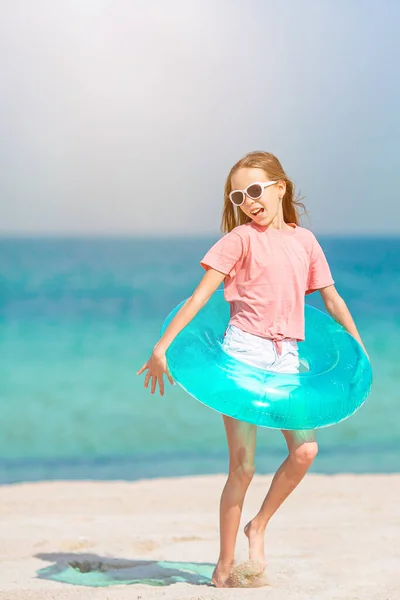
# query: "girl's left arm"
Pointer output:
{"type": "Point", "coordinates": [337, 308]}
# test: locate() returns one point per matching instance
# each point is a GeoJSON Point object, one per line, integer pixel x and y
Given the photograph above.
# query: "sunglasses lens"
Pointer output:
{"type": "Point", "coordinates": [236, 198]}
{"type": "Point", "coordinates": [254, 191]}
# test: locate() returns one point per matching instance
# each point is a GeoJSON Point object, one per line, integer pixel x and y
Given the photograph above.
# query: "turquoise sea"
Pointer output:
{"type": "Point", "coordinates": [78, 317]}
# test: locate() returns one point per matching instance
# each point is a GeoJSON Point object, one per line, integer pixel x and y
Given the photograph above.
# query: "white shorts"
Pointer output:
{"type": "Point", "coordinates": [261, 352]}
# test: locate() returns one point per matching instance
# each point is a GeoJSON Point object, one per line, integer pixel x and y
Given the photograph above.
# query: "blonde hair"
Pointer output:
{"type": "Point", "coordinates": [292, 207]}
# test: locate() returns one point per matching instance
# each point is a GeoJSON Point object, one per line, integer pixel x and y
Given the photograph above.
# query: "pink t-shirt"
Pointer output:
{"type": "Point", "coordinates": [268, 272]}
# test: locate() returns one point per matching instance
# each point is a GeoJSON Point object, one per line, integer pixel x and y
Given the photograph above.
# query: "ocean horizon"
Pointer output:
{"type": "Point", "coordinates": [79, 316]}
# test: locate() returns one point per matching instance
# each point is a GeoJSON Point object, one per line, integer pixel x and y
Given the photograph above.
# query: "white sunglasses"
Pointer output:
{"type": "Point", "coordinates": [253, 191]}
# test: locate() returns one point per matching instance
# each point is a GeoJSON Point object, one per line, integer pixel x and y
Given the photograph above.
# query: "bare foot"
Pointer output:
{"type": "Point", "coordinates": [256, 542]}
{"type": "Point", "coordinates": [248, 574]}
{"type": "Point", "coordinates": [221, 575]}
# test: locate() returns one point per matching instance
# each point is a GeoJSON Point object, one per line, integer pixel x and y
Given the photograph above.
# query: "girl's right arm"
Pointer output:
{"type": "Point", "coordinates": [157, 364]}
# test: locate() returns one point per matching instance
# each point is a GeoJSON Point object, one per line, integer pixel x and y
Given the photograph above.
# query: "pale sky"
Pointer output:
{"type": "Point", "coordinates": [125, 116]}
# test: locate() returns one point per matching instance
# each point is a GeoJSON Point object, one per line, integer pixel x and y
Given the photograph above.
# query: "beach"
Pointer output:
{"type": "Point", "coordinates": [139, 139]}
{"type": "Point", "coordinates": [107, 492]}
{"type": "Point", "coordinates": [336, 537]}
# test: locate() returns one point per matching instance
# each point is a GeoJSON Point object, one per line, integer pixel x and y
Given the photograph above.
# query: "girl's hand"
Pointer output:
{"type": "Point", "coordinates": [157, 364]}
{"type": "Point", "coordinates": [156, 367]}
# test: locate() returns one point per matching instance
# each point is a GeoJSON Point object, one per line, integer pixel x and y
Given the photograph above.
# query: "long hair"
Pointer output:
{"type": "Point", "coordinates": [292, 207]}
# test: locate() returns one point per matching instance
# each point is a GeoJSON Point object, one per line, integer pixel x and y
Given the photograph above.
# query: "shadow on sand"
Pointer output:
{"type": "Point", "coordinates": [100, 571]}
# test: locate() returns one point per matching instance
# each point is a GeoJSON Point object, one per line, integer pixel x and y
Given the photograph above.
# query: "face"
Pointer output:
{"type": "Point", "coordinates": [263, 210]}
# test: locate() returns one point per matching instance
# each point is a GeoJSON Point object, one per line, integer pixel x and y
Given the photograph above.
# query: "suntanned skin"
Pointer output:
{"type": "Point", "coordinates": [241, 436]}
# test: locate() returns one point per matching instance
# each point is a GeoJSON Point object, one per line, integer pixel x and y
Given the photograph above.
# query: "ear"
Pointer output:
{"type": "Point", "coordinates": [282, 188]}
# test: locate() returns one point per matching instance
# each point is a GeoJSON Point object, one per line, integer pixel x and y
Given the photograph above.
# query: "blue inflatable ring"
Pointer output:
{"type": "Point", "coordinates": [334, 381]}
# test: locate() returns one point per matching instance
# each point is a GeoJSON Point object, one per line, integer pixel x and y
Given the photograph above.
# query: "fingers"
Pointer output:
{"type": "Point", "coordinates": [145, 366]}
{"type": "Point", "coordinates": [160, 380]}
{"type": "Point", "coordinates": [155, 379]}
{"type": "Point", "coordinates": [153, 384]}
{"type": "Point", "coordinates": [147, 379]}
{"type": "Point", "coordinates": [168, 374]}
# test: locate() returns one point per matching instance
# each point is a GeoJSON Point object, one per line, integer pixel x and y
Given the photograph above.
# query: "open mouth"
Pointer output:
{"type": "Point", "coordinates": [257, 212]}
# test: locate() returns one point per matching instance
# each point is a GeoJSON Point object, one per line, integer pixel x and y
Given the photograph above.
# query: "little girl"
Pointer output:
{"type": "Point", "coordinates": [267, 263]}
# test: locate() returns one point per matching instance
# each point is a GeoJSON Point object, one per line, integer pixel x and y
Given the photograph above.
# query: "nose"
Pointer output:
{"type": "Point", "coordinates": [249, 201]}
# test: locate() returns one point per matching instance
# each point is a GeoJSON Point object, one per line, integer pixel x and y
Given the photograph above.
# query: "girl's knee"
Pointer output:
{"type": "Point", "coordinates": [243, 472]}
{"type": "Point", "coordinates": [305, 454]}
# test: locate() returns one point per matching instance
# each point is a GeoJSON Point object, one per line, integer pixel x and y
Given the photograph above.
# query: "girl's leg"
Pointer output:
{"type": "Point", "coordinates": [242, 444]}
{"type": "Point", "coordinates": [303, 449]}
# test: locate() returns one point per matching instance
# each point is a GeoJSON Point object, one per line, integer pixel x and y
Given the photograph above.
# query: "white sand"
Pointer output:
{"type": "Point", "coordinates": [336, 537]}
